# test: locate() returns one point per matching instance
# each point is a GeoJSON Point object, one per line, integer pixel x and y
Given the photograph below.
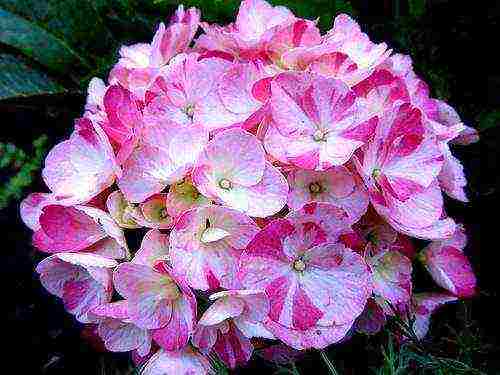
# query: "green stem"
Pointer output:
{"type": "Point", "coordinates": [328, 363]}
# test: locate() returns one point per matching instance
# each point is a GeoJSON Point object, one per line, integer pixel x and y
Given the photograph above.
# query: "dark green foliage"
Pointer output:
{"type": "Point", "coordinates": [17, 79]}
{"type": "Point", "coordinates": [22, 167]}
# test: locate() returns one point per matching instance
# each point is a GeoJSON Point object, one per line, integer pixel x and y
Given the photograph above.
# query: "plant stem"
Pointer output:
{"type": "Point", "coordinates": [328, 363]}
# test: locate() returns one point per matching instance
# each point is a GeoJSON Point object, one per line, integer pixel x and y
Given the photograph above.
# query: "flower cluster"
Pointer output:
{"type": "Point", "coordinates": [280, 175]}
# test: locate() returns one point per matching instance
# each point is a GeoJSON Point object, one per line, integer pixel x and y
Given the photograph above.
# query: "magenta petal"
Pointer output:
{"type": "Point", "coordinates": [66, 229]}
{"type": "Point", "coordinates": [233, 348]}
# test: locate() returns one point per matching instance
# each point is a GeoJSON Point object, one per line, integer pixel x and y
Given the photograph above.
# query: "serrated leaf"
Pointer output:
{"type": "Point", "coordinates": [19, 80]}
{"type": "Point", "coordinates": [35, 42]}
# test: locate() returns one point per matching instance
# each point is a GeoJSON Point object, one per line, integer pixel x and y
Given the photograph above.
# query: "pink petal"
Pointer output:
{"type": "Point", "coordinates": [66, 229]}
{"type": "Point", "coordinates": [337, 186]}
{"type": "Point", "coordinates": [317, 337]}
{"type": "Point", "coordinates": [200, 261]}
{"type": "Point", "coordinates": [81, 167]}
{"type": "Point", "coordinates": [424, 305]}
{"type": "Point", "coordinates": [154, 247]}
{"type": "Point", "coordinates": [450, 269]}
{"type": "Point", "coordinates": [185, 361]}
{"type": "Point", "coordinates": [150, 294]}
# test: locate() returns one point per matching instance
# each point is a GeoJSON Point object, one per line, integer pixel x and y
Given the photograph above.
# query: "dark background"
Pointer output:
{"type": "Point", "coordinates": [447, 45]}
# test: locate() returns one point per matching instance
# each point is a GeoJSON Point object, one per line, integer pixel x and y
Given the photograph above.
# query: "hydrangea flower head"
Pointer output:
{"type": "Point", "coordinates": [283, 171]}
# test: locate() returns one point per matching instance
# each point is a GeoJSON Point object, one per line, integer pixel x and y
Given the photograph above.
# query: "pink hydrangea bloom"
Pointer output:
{"type": "Point", "coordinates": [289, 169]}
{"type": "Point", "coordinates": [141, 63]}
{"type": "Point", "coordinates": [167, 152]}
{"type": "Point", "coordinates": [400, 161]}
{"type": "Point", "coordinates": [206, 246]}
{"type": "Point", "coordinates": [184, 361]}
{"type": "Point", "coordinates": [229, 323]}
{"type": "Point", "coordinates": [117, 332]}
{"type": "Point", "coordinates": [337, 186]}
{"type": "Point", "coordinates": [313, 283]}
{"type": "Point", "coordinates": [357, 45]}
{"type": "Point", "coordinates": [256, 23]}
{"type": "Point", "coordinates": [243, 91]}
{"type": "Point", "coordinates": [233, 171]}
{"type": "Point", "coordinates": [449, 266]}
{"type": "Point", "coordinates": [83, 281]}
{"type": "Point", "coordinates": [391, 276]}
{"type": "Point", "coordinates": [81, 167]}
{"type": "Point", "coordinates": [193, 100]}
{"type": "Point", "coordinates": [158, 301]}
{"type": "Point", "coordinates": [319, 119]}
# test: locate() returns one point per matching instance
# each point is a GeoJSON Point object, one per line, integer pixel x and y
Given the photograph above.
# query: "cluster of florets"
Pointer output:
{"type": "Point", "coordinates": [280, 175]}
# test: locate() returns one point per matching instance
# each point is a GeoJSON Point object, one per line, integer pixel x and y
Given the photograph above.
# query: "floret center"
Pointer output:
{"type": "Point", "coordinates": [315, 188]}
{"type": "Point", "coordinates": [319, 136]}
{"type": "Point", "coordinates": [189, 111]}
{"type": "Point", "coordinates": [299, 265]}
{"type": "Point", "coordinates": [376, 173]}
{"type": "Point", "coordinates": [225, 184]}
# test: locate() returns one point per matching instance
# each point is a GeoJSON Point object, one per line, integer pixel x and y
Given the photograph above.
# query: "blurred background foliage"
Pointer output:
{"type": "Point", "coordinates": [50, 49]}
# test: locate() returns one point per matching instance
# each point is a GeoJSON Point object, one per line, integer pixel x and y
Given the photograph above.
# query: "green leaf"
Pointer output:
{"type": "Point", "coordinates": [416, 8]}
{"type": "Point", "coordinates": [11, 156]}
{"type": "Point", "coordinates": [19, 80]}
{"type": "Point", "coordinates": [488, 120]}
{"type": "Point", "coordinates": [35, 42]}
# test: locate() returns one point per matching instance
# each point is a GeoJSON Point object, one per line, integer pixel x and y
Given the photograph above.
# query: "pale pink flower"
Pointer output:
{"type": "Point", "coordinates": [186, 92]}
{"type": "Point", "coordinates": [185, 361]}
{"type": "Point", "coordinates": [118, 333]}
{"type": "Point", "coordinates": [363, 55]}
{"type": "Point", "coordinates": [83, 281]}
{"type": "Point", "coordinates": [229, 323]}
{"type": "Point", "coordinates": [391, 272]}
{"type": "Point", "coordinates": [316, 286]}
{"type": "Point", "coordinates": [165, 155]}
{"type": "Point", "coordinates": [154, 247]}
{"type": "Point", "coordinates": [423, 306]}
{"type": "Point", "coordinates": [32, 206]}
{"type": "Point", "coordinates": [400, 161]}
{"type": "Point", "coordinates": [141, 63]}
{"type": "Point", "coordinates": [449, 266]}
{"type": "Point", "coordinates": [337, 186]}
{"type": "Point", "coordinates": [300, 34]}
{"type": "Point", "coordinates": [206, 243]}
{"type": "Point", "coordinates": [159, 301]}
{"type": "Point", "coordinates": [243, 91]}
{"type": "Point", "coordinates": [256, 23]}
{"type": "Point", "coordinates": [319, 119]}
{"type": "Point", "coordinates": [233, 171]}
{"type": "Point", "coordinates": [81, 167]}
{"type": "Point", "coordinates": [419, 216]}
